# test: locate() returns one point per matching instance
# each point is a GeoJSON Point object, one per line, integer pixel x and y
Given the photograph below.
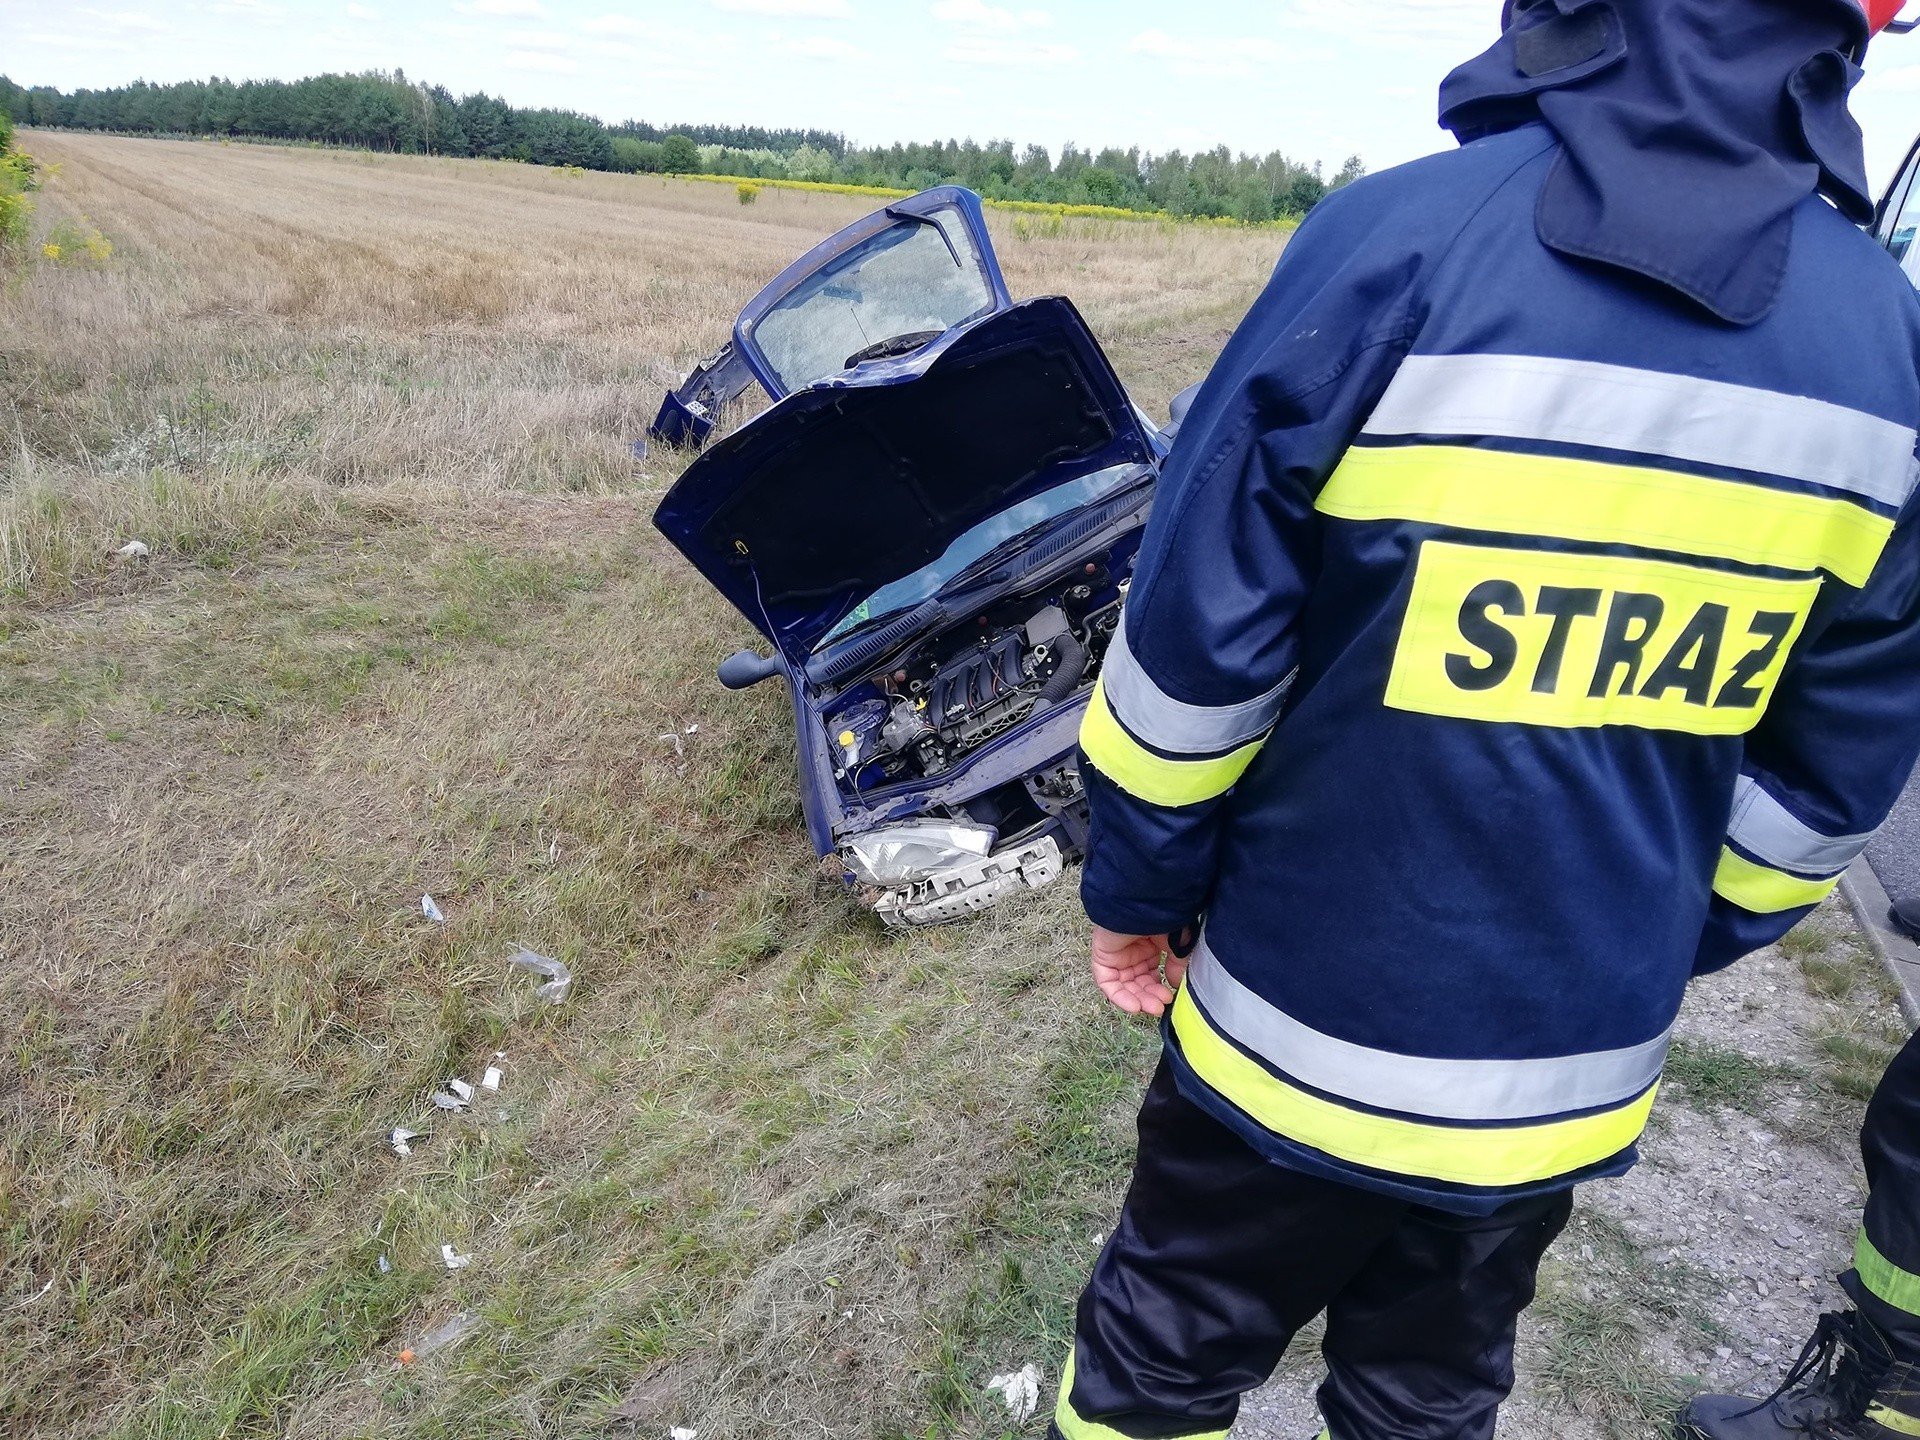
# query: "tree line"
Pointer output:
{"type": "Point", "coordinates": [387, 111]}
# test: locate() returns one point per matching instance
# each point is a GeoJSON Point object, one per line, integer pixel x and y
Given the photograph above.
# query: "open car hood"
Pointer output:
{"type": "Point", "coordinates": [865, 477]}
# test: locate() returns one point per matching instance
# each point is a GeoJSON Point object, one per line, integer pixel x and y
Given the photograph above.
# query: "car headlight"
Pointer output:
{"type": "Point", "coordinates": [902, 854]}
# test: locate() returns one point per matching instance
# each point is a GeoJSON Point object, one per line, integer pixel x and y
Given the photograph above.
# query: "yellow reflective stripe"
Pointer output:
{"type": "Point", "coordinates": [1507, 1155]}
{"type": "Point", "coordinates": [1590, 500]}
{"type": "Point", "coordinates": [1150, 777]}
{"type": "Point", "coordinates": [1072, 1427]}
{"type": "Point", "coordinates": [1894, 1420]}
{"type": "Point", "coordinates": [1764, 890]}
{"type": "Point", "coordinates": [1481, 640]}
{"type": "Point", "coordinates": [1899, 1288]}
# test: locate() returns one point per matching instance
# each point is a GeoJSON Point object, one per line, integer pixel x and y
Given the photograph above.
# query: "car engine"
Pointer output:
{"type": "Point", "coordinates": [961, 689]}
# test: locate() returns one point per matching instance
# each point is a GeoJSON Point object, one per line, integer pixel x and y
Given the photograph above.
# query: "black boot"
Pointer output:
{"type": "Point", "coordinates": [1905, 916]}
{"type": "Point", "coordinates": [1844, 1386]}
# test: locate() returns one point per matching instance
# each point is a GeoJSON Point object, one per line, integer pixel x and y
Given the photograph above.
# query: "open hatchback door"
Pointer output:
{"type": "Point", "coordinates": [884, 286]}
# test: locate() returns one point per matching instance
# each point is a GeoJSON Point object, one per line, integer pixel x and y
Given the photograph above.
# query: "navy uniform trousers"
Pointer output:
{"type": "Point", "coordinates": [1221, 1256]}
{"type": "Point", "coordinates": [1885, 1280]}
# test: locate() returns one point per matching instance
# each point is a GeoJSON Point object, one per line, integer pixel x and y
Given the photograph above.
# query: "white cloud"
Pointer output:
{"type": "Point", "coordinates": [1224, 55]}
{"type": "Point", "coordinates": [501, 7]}
{"type": "Point", "coordinates": [823, 47]}
{"type": "Point", "coordinates": [1455, 25]}
{"type": "Point", "coordinates": [128, 20]}
{"type": "Point", "coordinates": [61, 41]}
{"type": "Point", "coordinates": [541, 61]}
{"type": "Point", "coordinates": [807, 9]}
{"type": "Point", "coordinates": [978, 15]}
{"type": "Point", "coordinates": [538, 40]}
{"type": "Point", "coordinates": [616, 25]}
{"type": "Point", "coordinates": [258, 9]}
{"type": "Point", "coordinates": [1013, 56]}
{"type": "Point", "coordinates": [362, 12]}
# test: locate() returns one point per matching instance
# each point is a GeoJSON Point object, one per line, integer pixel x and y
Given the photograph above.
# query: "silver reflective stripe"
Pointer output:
{"type": "Point", "coordinates": [1764, 826]}
{"type": "Point", "coordinates": [1676, 417]}
{"type": "Point", "coordinates": [1420, 1085]}
{"type": "Point", "coordinates": [1173, 725]}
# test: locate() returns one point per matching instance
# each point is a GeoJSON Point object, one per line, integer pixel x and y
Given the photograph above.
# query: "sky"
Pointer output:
{"type": "Point", "coordinates": [1293, 75]}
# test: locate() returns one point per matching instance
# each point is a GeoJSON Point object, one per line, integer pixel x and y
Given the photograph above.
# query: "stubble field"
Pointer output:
{"type": "Point", "coordinates": [405, 629]}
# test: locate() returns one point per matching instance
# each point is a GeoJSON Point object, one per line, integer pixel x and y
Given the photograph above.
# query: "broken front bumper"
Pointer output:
{"type": "Point", "coordinates": [971, 886]}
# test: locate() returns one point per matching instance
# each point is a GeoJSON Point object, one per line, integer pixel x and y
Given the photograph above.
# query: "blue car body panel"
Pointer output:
{"type": "Point", "coordinates": [692, 408]}
{"type": "Point", "coordinates": [867, 476]}
{"type": "Point", "coordinates": [867, 473]}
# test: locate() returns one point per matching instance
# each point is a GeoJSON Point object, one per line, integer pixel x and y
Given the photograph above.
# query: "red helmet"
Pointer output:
{"type": "Point", "coordinates": [1880, 13]}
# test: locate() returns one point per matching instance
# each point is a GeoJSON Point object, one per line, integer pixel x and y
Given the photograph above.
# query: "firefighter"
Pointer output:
{"type": "Point", "coordinates": [1859, 1375]}
{"type": "Point", "coordinates": [1529, 620]}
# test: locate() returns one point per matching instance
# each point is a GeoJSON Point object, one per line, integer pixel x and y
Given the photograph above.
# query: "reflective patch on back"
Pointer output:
{"type": "Point", "coordinates": [1537, 638]}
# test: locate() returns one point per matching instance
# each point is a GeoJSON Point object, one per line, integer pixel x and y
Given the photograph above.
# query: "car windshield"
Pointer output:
{"type": "Point", "coordinates": [924, 583]}
{"type": "Point", "coordinates": [920, 277]}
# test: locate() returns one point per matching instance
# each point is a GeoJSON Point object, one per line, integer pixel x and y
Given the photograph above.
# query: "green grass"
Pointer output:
{"type": "Point", "coordinates": [1714, 1077]}
{"type": "Point", "coordinates": [740, 1127]}
{"type": "Point", "coordinates": [1854, 1062]}
{"type": "Point", "coordinates": [1602, 1298]}
{"type": "Point", "coordinates": [405, 629]}
{"type": "Point", "coordinates": [1861, 1026]}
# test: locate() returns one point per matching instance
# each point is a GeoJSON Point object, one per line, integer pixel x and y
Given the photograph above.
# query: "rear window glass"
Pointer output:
{"type": "Point", "coordinates": [911, 279]}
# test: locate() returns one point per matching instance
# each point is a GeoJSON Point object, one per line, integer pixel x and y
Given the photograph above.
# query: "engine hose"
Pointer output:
{"type": "Point", "coordinates": [1066, 676]}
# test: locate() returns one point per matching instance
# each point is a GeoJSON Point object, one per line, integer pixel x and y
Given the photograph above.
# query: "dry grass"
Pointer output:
{"type": "Point", "coordinates": [405, 629]}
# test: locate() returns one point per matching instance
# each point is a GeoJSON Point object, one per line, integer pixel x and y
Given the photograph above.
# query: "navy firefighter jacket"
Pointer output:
{"type": "Point", "coordinates": [1512, 641]}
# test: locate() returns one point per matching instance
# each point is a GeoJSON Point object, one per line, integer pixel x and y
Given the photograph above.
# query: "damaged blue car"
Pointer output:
{"type": "Point", "coordinates": [934, 527]}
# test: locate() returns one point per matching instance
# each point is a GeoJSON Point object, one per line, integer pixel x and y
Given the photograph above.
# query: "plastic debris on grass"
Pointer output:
{"type": "Point", "coordinates": [677, 739]}
{"type": "Point", "coordinates": [134, 550]}
{"type": "Point", "coordinates": [454, 1260]}
{"type": "Point", "coordinates": [445, 1335]}
{"type": "Point", "coordinates": [1020, 1391]}
{"type": "Point", "coordinates": [559, 979]}
{"type": "Point", "coordinates": [681, 1432]}
{"type": "Point", "coordinates": [493, 1076]}
{"type": "Point", "coordinates": [385, 1265]}
{"type": "Point", "coordinates": [401, 1139]}
{"type": "Point", "coordinates": [432, 910]}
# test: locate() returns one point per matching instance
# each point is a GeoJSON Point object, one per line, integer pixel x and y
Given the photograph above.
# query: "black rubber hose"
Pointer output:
{"type": "Point", "coordinates": [1066, 678]}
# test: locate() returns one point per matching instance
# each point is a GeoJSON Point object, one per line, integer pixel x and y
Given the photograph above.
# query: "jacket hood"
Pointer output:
{"type": "Point", "coordinates": [1690, 129]}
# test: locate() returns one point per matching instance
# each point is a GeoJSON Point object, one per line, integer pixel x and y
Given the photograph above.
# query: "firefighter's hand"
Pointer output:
{"type": "Point", "coordinates": [1127, 968]}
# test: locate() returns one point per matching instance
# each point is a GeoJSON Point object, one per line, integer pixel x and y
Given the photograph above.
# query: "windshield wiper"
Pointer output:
{"type": "Point", "coordinates": [834, 641]}
{"type": "Point", "coordinates": [960, 581]}
{"type": "Point", "coordinates": [895, 213]}
{"type": "Point", "coordinates": [983, 569]}
{"type": "Point", "coordinates": [997, 556]}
